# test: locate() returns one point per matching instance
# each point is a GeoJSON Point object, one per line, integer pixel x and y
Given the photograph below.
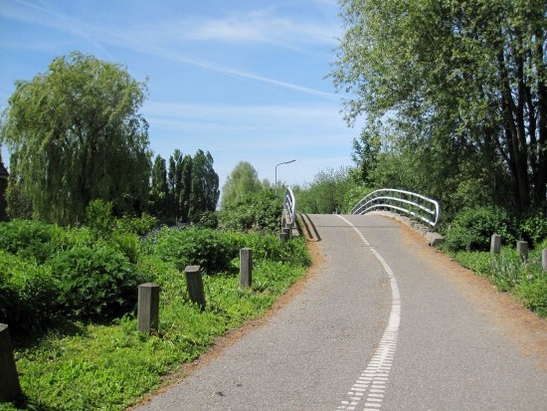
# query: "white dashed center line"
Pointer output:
{"type": "Point", "coordinates": [371, 385]}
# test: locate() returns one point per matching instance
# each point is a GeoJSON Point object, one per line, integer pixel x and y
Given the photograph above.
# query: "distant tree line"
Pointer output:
{"type": "Point", "coordinates": [75, 135]}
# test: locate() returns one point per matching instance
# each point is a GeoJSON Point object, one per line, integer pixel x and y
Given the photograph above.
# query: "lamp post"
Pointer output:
{"type": "Point", "coordinates": [277, 165]}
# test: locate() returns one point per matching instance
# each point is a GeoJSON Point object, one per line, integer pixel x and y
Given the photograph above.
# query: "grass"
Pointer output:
{"type": "Point", "coordinates": [523, 279]}
{"type": "Point", "coordinates": [111, 367]}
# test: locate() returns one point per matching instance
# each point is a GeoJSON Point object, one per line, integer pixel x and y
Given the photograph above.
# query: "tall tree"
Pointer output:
{"type": "Point", "coordinates": [186, 188]}
{"type": "Point", "coordinates": [242, 180]}
{"type": "Point", "coordinates": [159, 189]}
{"type": "Point", "coordinates": [205, 186]}
{"type": "Point", "coordinates": [463, 83]}
{"type": "Point", "coordinates": [76, 135]}
{"type": "Point", "coordinates": [174, 178]}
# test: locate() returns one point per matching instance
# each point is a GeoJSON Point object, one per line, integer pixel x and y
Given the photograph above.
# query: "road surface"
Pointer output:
{"type": "Point", "coordinates": [384, 323]}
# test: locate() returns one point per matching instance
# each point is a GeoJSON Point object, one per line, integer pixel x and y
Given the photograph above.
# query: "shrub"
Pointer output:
{"type": "Point", "coordinates": [98, 216]}
{"type": "Point", "coordinates": [211, 249]}
{"type": "Point", "coordinates": [473, 228]}
{"type": "Point", "coordinates": [260, 211]}
{"type": "Point", "coordinates": [27, 293]}
{"type": "Point", "coordinates": [32, 240]}
{"type": "Point", "coordinates": [534, 229]}
{"type": "Point", "coordinates": [137, 225]}
{"type": "Point", "coordinates": [96, 282]}
{"type": "Point", "coordinates": [269, 247]}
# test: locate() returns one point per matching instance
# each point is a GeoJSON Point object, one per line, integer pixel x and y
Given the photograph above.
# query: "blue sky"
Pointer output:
{"type": "Point", "coordinates": [242, 79]}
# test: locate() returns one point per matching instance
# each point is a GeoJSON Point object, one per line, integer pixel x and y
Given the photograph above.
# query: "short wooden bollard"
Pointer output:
{"type": "Point", "coordinates": [148, 307]}
{"type": "Point", "coordinates": [522, 248]}
{"type": "Point", "coordinates": [544, 259]}
{"type": "Point", "coordinates": [245, 267]}
{"type": "Point", "coordinates": [9, 380]}
{"type": "Point", "coordinates": [495, 244]}
{"type": "Point", "coordinates": [194, 283]}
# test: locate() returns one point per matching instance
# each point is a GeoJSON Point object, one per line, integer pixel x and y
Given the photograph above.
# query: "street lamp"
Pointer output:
{"type": "Point", "coordinates": [284, 162]}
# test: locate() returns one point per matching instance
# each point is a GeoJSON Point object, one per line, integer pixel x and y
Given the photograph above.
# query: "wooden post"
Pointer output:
{"type": "Point", "coordinates": [495, 244]}
{"type": "Point", "coordinates": [9, 380]}
{"type": "Point", "coordinates": [148, 307]}
{"type": "Point", "coordinates": [522, 248]}
{"type": "Point", "coordinates": [245, 267]}
{"type": "Point", "coordinates": [544, 259]}
{"type": "Point", "coordinates": [194, 283]}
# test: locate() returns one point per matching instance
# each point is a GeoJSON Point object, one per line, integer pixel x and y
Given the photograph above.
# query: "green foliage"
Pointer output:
{"type": "Point", "coordinates": [326, 194]}
{"type": "Point", "coordinates": [27, 291]}
{"type": "Point", "coordinates": [533, 229]}
{"type": "Point", "coordinates": [95, 282]}
{"type": "Point", "coordinates": [453, 91]}
{"type": "Point", "coordinates": [268, 247]}
{"type": "Point", "coordinates": [75, 135]}
{"type": "Point", "coordinates": [473, 228]}
{"type": "Point", "coordinates": [158, 201]}
{"type": "Point", "coordinates": [76, 273]}
{"type": "Point", "coordinates": [90, 366]}
{"type": "Point", "coordinates": [526, 280]}
{"type": "Point", "coordinates": [32, 240]}
{"type": "Point", "coordinates": [257, 211]}
{"type": "Point", "coordinates": [242, 181]}
{"type": "Point", "coordinates": [210, 249]}
{"type": "Point", "coordinates": [532, 291]}
{"type": "Point", "coordinates": [137, 225]}
{"type": "Point", "coordinates": [204, 192]}
{"type": "Point", "coordinates": [98, 217]}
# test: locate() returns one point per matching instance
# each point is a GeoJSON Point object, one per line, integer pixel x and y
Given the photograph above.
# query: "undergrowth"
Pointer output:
{"type": "Point", "coordinates": [77, 364]}
{"type": "Point", "coordinates": [526, 280]}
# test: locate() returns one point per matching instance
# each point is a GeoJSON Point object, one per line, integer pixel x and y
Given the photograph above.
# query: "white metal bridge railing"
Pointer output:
{"type": "Point", "coordinates": [412, 204]}
{"type": "Point", "coordinates": [289, 207]}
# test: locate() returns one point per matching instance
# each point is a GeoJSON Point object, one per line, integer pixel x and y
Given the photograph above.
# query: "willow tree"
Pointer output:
{"type": "Point", "coordinates": [77, 136]}
{"type": "Point", "coordinates": [462, 83]}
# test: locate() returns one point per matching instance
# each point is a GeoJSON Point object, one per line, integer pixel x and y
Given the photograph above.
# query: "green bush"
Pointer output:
{"type": "Point", "coordinates": [260, 211]}
{"type": "Point", "coordinates": [32, 240]}
{"type": "Point", "coordinates": [211, 249]}
{"type": "Point", "coordinates": [98, 216]}
{"type": "Point", "coordinates": [96, 282]}
{"type": "Point", "coordinates": [137, 225]}
{"type": "Point", "coordinates": [533, 229]}
{"type": "Point", "coordinates": [27, 295]}
{"type": "Point", "coordinates": [269, 247]}
{"type": "Point", "coordinates": [472, 229]}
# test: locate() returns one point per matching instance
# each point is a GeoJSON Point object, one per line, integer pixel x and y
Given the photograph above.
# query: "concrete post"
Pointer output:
{"type": "Point", "coordinates": [194, 283]}
{"type": "Point", "coordinates": [9, 380]}
{"type": "Point", "coordinates": [522, 248]}
{"type": "Point", "coordinates": [495, 244]}
{"type": "Point", "coordinates": [288, 232]}
{"type": "Point", "coordinates": [148, 307]}
{"type": "Point", "coordinates": [245, 267]}
{"type": "Point", "coordinates": [544, 259]}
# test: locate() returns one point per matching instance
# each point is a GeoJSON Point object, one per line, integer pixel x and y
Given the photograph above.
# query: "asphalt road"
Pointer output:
{"type": "Point", "coordinates": [381, 324]}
